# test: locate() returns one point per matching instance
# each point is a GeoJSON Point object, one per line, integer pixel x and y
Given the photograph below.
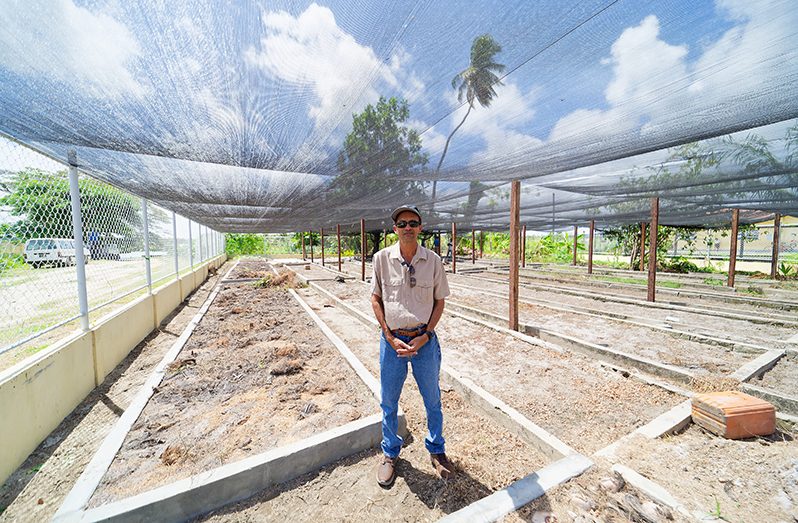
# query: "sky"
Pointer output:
{"type": "Point", "coordinates": [274, 85]}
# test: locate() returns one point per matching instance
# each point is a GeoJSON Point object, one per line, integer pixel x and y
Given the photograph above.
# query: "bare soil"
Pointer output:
{"type": "Point", "coordinates": [739, 330]}
{"type": "Point", "coordinates": [585, 405]}
{"type": "Point", "coordinates": [689, 355]}
{"type": "Point", "coordinates": [487, 458]}
{"type": "Point", "coordinates": [783, 377]}
{"type": "Point", "coordinates": [744, 480]}
{"type": "Point", "coordinates": [38, 487]}
{"type": "Point", "coordinates": [255, 375]}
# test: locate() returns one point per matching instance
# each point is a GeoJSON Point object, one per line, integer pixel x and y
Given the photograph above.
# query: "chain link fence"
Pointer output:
{"type": "Point", "coordinates": [129, 246]}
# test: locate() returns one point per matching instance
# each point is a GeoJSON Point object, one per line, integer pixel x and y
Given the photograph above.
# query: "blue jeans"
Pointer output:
{"type": "Point", "coordinates": [426, 371]}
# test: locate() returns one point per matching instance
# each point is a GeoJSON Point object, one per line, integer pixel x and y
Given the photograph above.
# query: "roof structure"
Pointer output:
{"type": "Point", "coordinates": [236, 116]}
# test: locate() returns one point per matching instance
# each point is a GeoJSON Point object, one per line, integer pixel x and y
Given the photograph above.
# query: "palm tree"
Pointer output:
{"type": "Point", "coordinates": [476, 82]}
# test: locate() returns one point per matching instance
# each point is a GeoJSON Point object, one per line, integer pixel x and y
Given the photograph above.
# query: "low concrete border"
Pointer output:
{"type": "Point", "coordinates": [652, 490]}
{"type": "Point", "coordinates": [660, 369]}
{"type": "Point", "coordinates": [759, 366]}
{"type": "Point", "coordinates": [84, 487]}
{"type": "Point", "coordinates": [234, 482]}
{"type": "Point", "coordinates": [624, 318]}
{"type": "Point", "coordinates": [788, 404]}
{"type": "Point", "coordinates": [521, 492]}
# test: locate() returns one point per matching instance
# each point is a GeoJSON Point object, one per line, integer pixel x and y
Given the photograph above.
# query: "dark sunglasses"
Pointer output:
{"type": "Point", "coordinates": [404, 223]}
{"type": "Point", "coordinates": [412, 271]}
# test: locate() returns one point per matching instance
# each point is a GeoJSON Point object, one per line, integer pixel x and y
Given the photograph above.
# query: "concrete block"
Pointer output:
{"type": "Point", "coordinates": [782, 401]}
{"type": "Point", "coordinates": [37, 395]}
{"type": "Point", "coordinates": [651, 489]}
{"type": "Point", "coordinates": [521, 492]}
{"type": "Point", "coordinates": [165, 300]}
{"type": "Point", "coordinates": [758, 366]}
{"type": "Point", "coordinates": [233, 482]}
{"type": "Point", "coordinates": [119, 332]}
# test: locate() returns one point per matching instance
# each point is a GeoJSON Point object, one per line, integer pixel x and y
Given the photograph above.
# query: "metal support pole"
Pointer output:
{"type": "Point", "coordinates": [77, 234]}
{"type": "Point", "coordinates": [774, 258]}
{"type": "Point", "coordinates": [733, 247]}
{"type": "Point", "coordinates": [454, 248]}
{"type": "Point", "coordinates": [304, 254]}
{"type": "Point", "coordinates": [199, 239]}
{"type": "Point", "coordinates": [338, 231]}
{"type": "Point", "coordinates": [362, 249]}
{"type": "Point", "coordinates": [190, 245]}
{"type": "Point", "coordinates": [590, 247]}
{"type": "Point", "coordinates": [523, 245]}
{"type": "Point", "coordinates": [515, 227]}
{"type": "Point", "coordinates": [575, 232]}
{"type": "Point", "coordinates": [652, 250]}
{"type": "Point", "coordinates": [642, 245]}
{"type": "Point", "coordinates": [147, 266]}
{"type": "Point", "coordinates": [174, 236]}
{"type": "Point", "coordinates": [322, 246]}
{"type": "Point", "coordinates": [473, 248]}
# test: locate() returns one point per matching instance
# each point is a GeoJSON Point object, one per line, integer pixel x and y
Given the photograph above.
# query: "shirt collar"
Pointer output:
{"type": "Point", "coordinates": [421, 253]}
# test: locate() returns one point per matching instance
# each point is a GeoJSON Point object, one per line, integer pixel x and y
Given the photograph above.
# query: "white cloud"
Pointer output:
{"type": "Point", "coordinates": [432, 141]}
{"type": "Point", "coordinates": [57, 39]}
{"type": "Point", "coordinates": [312, 50]}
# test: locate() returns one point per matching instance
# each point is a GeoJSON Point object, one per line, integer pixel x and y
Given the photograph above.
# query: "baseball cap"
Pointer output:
{"type": "Point", "coordinates": [403, 208]}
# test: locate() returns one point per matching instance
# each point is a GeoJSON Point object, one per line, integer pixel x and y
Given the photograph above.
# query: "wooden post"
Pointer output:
{"type": "Point", "coordinates": [438, 248]}
{"type": "Point", "coordinates": [481, 244]}
{"type": "Point", "coordinates": [576, 230]}
{"type": "Point", "coordinates": [454, 248]}
{"type": "Point", "coordinates": [338, 231]}
{"type": "Point", "coordinates": [642, 245]}
{"type": "Point", "coordinates": [304, 254]}
{"type": "Point", "coordinates": [515, 229]}
{"type": "Point", "coordinates": [733, 248]}
{"type": "Point", "coordinates": [362, 249]}
{"type": "Point", "coordinates": [523, 246]}
{"type": "Point", "coordinates": [774, 258]}
{"type": "Point", "coordinates": [652, 250]}
{"type": "Point", "coordinates": [311, 248]}
{"type": "Point", "coordinates": [473, 248]}
{"type": "Point", "coordinates": [322, 246]}
{"type": "Point", "coordinates": [385, 238]}
{"type": "Point", "coordinates": [590, 247]}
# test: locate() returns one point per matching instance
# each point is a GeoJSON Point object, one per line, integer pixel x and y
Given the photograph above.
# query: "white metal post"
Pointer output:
{"type": "Point", "coordinates": [77, 233]}
{"type": "Point", "coordinates": [199, 237]}
{"type": "Point", "coordinates": [190, 245]}
{"type": "Point", "coordinates": [174, 236]}
{"type": "Point", "coordinates": [147, 266]}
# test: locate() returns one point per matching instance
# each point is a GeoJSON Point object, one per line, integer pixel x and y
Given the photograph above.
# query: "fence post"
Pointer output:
{"type": "Point", "coordinates": [174, 236]}
{"type": "Point", "coordinates": [147, 267]}
{"type": "Point", "coordinates": [77, 232]}
{"type": "Point", "coordinates": [190, 246]}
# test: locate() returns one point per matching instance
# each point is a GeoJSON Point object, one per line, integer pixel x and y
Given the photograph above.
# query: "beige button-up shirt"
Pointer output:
{"type": "Point", "coordinates": [406, 307]}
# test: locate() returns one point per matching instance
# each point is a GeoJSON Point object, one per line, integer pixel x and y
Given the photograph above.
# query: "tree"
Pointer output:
{"type": "Point", "coordinates": [474, 83]}
{"type": "Point", "coordinates": [41, 199]}
{"type": "Point", "coordinates": [377, 153]}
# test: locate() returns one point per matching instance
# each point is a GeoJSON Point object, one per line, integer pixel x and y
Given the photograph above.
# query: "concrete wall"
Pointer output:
{"type": "Point", "coordinates": [37, 394]}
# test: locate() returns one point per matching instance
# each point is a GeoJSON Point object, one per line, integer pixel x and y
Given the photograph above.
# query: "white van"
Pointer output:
{"type": "Point", "coordinates": [54, 251]}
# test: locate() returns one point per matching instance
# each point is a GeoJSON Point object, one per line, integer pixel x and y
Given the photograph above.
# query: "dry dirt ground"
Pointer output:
{"type": "Point", "coordinates": [256, 374]}
{"type": "Point", "coordinates": [783, 377]}
{"type": "Point", "coordinates": [742, 480]}
{"type": "Point", "coordinates": [35, 491]}
{"type": "Point", "coordinates": [570, 395]}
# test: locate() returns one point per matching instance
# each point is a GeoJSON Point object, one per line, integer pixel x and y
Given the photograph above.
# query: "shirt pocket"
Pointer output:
{"type": "Point", "coordinates": [422, 292]}
{"type": "Point", "coordinates": [392, 289]}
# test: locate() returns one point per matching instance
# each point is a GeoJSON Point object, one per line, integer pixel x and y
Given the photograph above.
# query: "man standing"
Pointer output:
{"type": "Point", "coordinates": [407, 294]}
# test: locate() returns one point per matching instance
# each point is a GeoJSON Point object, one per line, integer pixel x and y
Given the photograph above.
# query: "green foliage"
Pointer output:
{"type": "Point", "coordinates": [551, 248]}
{"type": "Point", "coordinates": [41, 200]}
{"type": "Point", "coordinates": [10, 261]}
{"type": "Point", "coordinates": [756, 291]}
{"type": "Point", "coordinates": [377, 151]}
{"type": "Point", "coordinates": [679, 265]}
{"type": "Point", "coordinates": [787, 271]}
{"type": "Point", "coordinates": [243, 244]}
{"type": "Point", "coordinates": [714, 281]}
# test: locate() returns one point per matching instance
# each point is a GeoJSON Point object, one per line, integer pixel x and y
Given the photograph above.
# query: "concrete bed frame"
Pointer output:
{"type": "Point", "coordinates": [221, 486]}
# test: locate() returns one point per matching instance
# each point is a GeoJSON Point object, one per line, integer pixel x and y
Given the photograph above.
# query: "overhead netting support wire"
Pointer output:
{"type": "Point", "coordinates": [602, 106]}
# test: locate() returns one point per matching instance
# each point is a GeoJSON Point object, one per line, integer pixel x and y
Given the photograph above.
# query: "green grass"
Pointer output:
{"type": "Point", "coordinates": [714, 281]}
{"type": "Point", "coordinates": [753, 291]}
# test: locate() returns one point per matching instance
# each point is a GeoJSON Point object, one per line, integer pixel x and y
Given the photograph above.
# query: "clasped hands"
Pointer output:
{"type": "Point", "coordinates": [410, 348]}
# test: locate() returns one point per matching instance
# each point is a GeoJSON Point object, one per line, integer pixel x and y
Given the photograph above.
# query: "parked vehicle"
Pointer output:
{"type": "Point", "coordinates": [52, 251]}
